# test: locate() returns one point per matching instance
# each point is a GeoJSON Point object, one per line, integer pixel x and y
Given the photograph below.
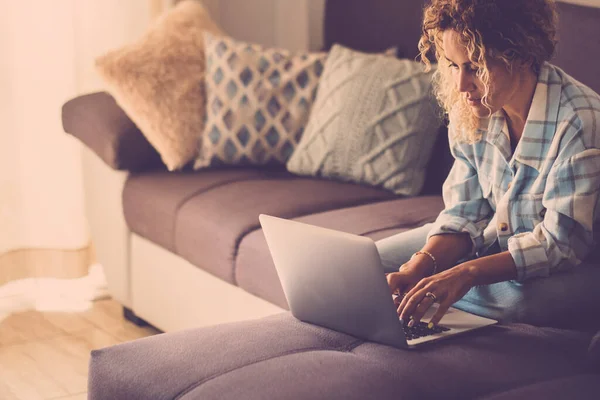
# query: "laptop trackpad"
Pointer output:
{"type": "Point", "coordinates": [457, 319]}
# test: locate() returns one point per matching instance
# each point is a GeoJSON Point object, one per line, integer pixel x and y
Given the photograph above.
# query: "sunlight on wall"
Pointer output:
{"type": "Point", "coordinates": [42, 184]}
{"type": "Point", "coordinates": [48, 50]}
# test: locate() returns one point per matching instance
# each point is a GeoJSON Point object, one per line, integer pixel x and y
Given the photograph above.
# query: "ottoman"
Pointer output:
{"type": "Point", "coordinates": [585, 386]}
{"type": "Point", "coordinates": [279, 357]}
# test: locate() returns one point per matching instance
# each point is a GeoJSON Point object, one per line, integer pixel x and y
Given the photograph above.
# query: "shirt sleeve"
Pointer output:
{"type": "Point", "coordinates": [466, 208]}
{"type": "Point", "coordinates": [565, 236]}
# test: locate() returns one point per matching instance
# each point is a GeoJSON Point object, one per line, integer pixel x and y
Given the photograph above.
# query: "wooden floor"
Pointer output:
{"type": "Point", "coordinates": [46, 355]}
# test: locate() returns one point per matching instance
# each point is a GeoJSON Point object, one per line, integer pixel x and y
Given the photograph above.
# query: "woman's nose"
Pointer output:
{"type": "Point", "coordinates": [465, 82]}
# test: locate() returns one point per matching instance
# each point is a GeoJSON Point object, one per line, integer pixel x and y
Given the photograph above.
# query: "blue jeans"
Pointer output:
{"type": "Point", "coordinates": [396, 250]}
{"type": "Point", "coordinates": [564, 299]}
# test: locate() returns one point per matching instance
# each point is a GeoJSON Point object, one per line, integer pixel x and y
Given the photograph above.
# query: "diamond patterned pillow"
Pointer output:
{"type": "Point", "coordinates": [258, 102]}
{"type": "Point", "coordinates": [374, 122]}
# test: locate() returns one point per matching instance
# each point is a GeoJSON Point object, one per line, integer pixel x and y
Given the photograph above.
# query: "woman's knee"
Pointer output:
{"type": "Point", "coordinates": [397, 249]}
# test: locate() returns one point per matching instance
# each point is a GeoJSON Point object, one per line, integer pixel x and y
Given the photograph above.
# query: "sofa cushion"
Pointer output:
{"type": "Point", "coordinates": [210, 225]}
{"type": "Point", "coordinates": [254, 268]}
{"type": "Point", "coordinates": [151, 200]}
{"type": "Point", "coordinates": [281, 357]}
{"type": "Point", "coordinates": [203, 216]}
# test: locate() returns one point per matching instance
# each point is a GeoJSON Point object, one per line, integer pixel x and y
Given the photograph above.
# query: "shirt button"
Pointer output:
{"type": "Point", "coordinates": [509, 185]}
{"type": "Point", "coordinates": [503, 226]}
{"type": "Point", "coordinates": [543, 213]}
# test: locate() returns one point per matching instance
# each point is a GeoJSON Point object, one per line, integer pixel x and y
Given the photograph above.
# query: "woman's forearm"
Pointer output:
{"type": "Point", "coordinates": [447, 250]}
{"type": "Point", "coordinates": [491, 269]}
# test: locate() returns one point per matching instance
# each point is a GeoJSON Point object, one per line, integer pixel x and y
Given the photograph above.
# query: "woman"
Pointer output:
{"type": "Point", "coordinates": [521, 200]}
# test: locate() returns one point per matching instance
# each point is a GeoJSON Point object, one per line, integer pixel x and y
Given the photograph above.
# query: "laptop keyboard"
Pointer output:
{"type": "Point", "coordinates": [420, 330]}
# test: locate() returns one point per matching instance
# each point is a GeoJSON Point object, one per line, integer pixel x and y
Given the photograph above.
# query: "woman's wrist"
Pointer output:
{"type": "Point", "coordinates": [471, 273]}
{"type": "Point", "coordinates": [420, 264]}
{"type": "Point", "coordinates": [490, 269]}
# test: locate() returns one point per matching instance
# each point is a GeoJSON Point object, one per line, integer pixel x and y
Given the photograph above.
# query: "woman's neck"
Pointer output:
{"type": "Point", "coordinates": [517, 109]}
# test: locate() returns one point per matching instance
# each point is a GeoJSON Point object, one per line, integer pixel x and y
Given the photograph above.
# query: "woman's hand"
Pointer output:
{"type": "Point", "coordinates": [408, 276]}
{"type": "Point", "coordinates": [447, 287]}
{"type": "Point", "coordinates": [402, 281]}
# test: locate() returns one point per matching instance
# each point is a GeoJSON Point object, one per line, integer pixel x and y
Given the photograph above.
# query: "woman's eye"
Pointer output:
{"type": "Point", "coordinates": [453, 66]}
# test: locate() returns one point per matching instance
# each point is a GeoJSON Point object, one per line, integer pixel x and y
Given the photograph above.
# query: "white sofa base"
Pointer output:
{"type": "Point", "coordinates": [172, 294]}
{"type": "Point", "coordinates": [103, 188]}
{"type": "Point", "coordinates": [157, 285]}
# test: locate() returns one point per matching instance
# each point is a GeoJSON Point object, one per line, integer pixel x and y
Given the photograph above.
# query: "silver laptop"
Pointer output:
{"type": "Point", "coordinates": [336, 280]}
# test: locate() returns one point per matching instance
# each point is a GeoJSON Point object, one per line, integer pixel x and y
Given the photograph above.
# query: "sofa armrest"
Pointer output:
{"type": "Point", "coordinates": [103, 126]}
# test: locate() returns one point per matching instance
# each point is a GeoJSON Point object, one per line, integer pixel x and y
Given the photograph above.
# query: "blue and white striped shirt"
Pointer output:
{"type": "Point", "coordinates": [542, 202]}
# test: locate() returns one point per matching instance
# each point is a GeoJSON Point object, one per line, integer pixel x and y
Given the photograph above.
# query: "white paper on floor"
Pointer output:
{"type": "Point", "coordinates": [52, 294]}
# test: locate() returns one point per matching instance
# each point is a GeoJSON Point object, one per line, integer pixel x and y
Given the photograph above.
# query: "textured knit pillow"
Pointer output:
{"type": "Point", "coordinates": [374, 122]}
{"type": "Point", "coordinates": [159, 81]}
{"type": "Point", "coordinates": [258, 102]}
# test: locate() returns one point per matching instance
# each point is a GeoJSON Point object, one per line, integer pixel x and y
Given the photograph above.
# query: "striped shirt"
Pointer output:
{"type": "Point", "coordinates": [540, 203]}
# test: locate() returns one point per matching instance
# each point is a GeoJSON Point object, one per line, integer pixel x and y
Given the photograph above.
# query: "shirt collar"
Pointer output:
{"type": "Point", "coordinates": [540, 125]}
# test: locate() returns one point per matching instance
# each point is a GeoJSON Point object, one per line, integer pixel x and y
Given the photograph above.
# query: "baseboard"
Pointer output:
{"type": "Point", "coordinates": [45, 263]}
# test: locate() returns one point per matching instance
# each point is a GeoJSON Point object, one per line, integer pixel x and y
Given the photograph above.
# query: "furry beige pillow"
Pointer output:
{"type": "Point", "coordinates": [159, 81]}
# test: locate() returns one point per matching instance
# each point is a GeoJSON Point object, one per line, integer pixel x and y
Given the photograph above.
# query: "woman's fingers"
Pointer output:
{"type": "Point", "coordinates": [422, 308]}
{"type": "Point", "coordinates": [392, 280]}
{"type": "Point", "coordinates": [447, 287]}
{"type": "Point", "coordinates": [419, 286]}
{"type": "Point", "coordinates": [398, 282]}
{"type": "Point", "coordinates": [441, 311]}
{"type": "Point", "coordinates": [411, 304]}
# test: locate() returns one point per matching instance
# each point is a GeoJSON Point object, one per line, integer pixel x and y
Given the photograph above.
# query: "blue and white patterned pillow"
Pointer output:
{"type": "Point", "coordinates": [258, 102]}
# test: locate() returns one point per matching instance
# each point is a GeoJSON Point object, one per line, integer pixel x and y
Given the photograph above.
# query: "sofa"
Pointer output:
{"type": "Point", "coordinates": [184, 252]}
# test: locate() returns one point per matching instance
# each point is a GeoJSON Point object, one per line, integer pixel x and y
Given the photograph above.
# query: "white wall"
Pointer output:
{"type": "Point", "coordinates": [291, 24]}
{"type": "Point", "coordinates": [42, 198]}
{"type": "Point", "coordinates": [9, 189]}
{"type": "Point", "coordinates": [102, 25]}
{"type": "Point", "coordinates": [316, 15]}
{"type": "Point", "coordinates": [47, 51]}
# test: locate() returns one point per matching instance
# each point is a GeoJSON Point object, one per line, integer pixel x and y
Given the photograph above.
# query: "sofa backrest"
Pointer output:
{"type": "Point", "coordinates": [376, 25]}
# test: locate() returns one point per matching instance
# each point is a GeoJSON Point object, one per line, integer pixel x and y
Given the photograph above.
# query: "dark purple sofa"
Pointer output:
{"type": "Point", "coordinates": [278, 356]}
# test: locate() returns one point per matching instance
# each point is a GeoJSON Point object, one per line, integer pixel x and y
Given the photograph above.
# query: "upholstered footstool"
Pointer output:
{"type": "Point", "coordinates": [280, 357]}
{"type": "Point", "coordinates": [573, 387]}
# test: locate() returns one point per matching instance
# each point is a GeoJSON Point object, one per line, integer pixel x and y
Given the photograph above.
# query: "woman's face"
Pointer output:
{"type": "Point", "coordinates": [464, 74]}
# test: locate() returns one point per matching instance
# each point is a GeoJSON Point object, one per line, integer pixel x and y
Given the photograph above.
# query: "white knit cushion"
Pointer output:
{"type": "Point", "coordinates": [374, 122]}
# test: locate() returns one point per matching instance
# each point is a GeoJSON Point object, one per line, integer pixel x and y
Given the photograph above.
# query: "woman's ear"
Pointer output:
{"type": "Point", "coordinates": [525, 65]}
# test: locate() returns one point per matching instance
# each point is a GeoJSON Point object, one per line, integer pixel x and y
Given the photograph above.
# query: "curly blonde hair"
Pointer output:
{"type": "Point", "coordinates": [504, 30]}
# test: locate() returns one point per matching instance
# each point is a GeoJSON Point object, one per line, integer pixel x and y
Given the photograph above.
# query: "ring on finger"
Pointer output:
{"type": "Point", "coordinates": [431, 296]}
